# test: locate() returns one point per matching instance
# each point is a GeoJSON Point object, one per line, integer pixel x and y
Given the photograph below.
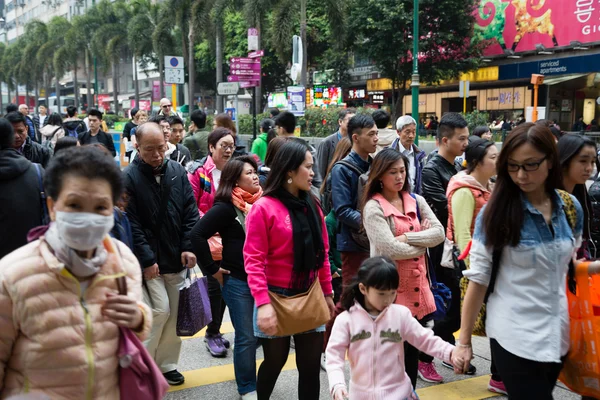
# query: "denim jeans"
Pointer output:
{"type": "Point", "coordinates": [238, 298]}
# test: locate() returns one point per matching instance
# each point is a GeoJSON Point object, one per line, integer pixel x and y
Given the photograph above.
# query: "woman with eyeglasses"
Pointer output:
{"type": "Point", "coordinates": [205, 176]}
{"type": "Point", "coordinates": [523, 244]}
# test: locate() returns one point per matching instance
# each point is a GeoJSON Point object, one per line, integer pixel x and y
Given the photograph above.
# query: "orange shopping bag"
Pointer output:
{"type": "Point", "coordinates": [581, 372]}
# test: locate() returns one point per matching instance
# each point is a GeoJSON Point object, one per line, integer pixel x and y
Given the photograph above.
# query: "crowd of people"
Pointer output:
{"type": "Point", "coordinates": [366, 229]}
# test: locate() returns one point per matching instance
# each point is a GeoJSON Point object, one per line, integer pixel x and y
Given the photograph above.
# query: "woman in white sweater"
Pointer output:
{"type": "Point", "coordinates": [401, 226]}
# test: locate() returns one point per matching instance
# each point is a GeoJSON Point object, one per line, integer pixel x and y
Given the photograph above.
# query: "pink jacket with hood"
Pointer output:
{"type": "Point", "coordinates": [54, 339]}
{"type": "Point", "coordinates": [201, 179]}
{"type": "Point", "coordinates": [376, 352]}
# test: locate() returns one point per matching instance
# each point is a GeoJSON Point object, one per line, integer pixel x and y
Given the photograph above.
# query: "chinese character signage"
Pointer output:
{"type": "Point", "coordinates": [356, 94]}
{"type": "Point", "coordinates": [503, 99]}
{"type": "Point", "coordinates": [519, 25]}
{"type": "Point", "coordinates": [324, 96]}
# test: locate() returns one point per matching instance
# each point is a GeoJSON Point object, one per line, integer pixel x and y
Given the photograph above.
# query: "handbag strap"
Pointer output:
{"type": "Point", "coordinates": [111, 247]}
{"type": "Point", "coordinates": [430, 270]}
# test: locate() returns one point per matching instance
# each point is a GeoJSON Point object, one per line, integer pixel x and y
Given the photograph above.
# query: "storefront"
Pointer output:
{"type": "Point", "coordinates": [356, 96]}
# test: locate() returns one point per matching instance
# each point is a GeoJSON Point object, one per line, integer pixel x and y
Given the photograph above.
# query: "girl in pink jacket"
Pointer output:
{"type": "Point", "coordinates": [373, 331]}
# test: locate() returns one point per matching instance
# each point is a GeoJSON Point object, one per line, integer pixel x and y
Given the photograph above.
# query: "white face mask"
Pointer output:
{"type": "Point", "coordinates": [83, 231]}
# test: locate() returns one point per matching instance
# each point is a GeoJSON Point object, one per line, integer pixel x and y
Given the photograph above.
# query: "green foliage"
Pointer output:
{"type": "Point", "coordinates": [476, 118]}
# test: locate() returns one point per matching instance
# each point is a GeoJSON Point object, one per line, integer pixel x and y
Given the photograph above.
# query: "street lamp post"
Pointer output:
{"type": "Point", "coordinates": [415, 73]}
{"type": "Point", "coordinates": [96, 79]}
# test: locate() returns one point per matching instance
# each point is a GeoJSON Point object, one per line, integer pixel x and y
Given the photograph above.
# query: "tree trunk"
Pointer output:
{"type": "Point", "coordinates": [16, 92]}
{"type": "Point", "coordinates": [1, 100]}
{"type": "Point", "coordinates": [88, 81]}
{"type": "Point", "coordinates": [398, 110]}
{"type": "Point", "coordinates": [115, 84]}
{"type": "Point", "coordinates": [136, 84]}
{"type": "Point", "coordinates": [47, 86]}
{"type": "Point", "coordinates": [8, 92]}
{"type": "Point", "coordinates": [304, 71]}
{"type": "Point", "coordinates": [191, 68]}
{"type": "Point", "coordinates": [219, 62]}
{"type": "Point", "coordinates": [37, 97]}
{"type": "Point", "coordinates": [76, 83]}
{"type": "Point", "coordinates": [161, 69]}
{"type": "Point", "coordinates": [58, 103]}
{"type": "Point", "coordinates": [27, 94]}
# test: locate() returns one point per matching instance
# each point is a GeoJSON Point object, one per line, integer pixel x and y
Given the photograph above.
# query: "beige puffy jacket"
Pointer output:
{"type": "Point", "coordinates": [53, 339]}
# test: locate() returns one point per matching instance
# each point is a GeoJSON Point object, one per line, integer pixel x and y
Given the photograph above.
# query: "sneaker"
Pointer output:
{"type": "Point", "coordinates": [497, 387]}
{"type": "Point", "coordinates": [249, 396]}
{"type": "Point", "coordinates": [472, 370]}
{"type": "Point", "coordinates": [428, 373]}
{"type": "Point", "coordinates": [174, 378]}
{"type": "Point", "coordinates": [225, 342]}
{"type": "Point", "coordinates": [323, 362]}
{"type": "Point", "coordinates": [215, 346]}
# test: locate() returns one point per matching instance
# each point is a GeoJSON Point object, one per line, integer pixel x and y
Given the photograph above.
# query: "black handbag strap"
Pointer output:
{"type": "Point", "coordinates": [496, 255]}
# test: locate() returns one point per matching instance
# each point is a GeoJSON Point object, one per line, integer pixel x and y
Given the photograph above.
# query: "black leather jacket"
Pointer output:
{"type": "Point", "coordinates": [436, 175]}
{"type": "Point", "coordinates": [36, 153]}
{"type": "Point", "coordinates": [594, 193]}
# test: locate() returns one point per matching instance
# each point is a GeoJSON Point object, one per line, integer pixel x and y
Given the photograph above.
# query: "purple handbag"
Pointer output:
{"type": "Point", "coordinates": [193, 312]}
{"type": "Point", "coordinates": [139, 376]}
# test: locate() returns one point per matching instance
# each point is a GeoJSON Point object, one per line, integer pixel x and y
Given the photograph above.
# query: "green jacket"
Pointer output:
{"type": "Point", "coordinates": [335, 259]}
{"type": "Point", "coordinates": [197, 144]}
{"type": "Point", "coordinates": [259, 146]}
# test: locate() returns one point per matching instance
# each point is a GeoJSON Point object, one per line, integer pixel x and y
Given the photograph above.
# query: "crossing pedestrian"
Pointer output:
{"type": "Point", "coordinates": [95, 134]}
{"type": "Point", "coordinates": [402, 227]}
{"type": "Point", "coordinates": [53, 130]}
{"type": "Point", "coordinates": [205, 177]}
{"type": "Point", "coordinates": [162, 213]}
{"type": "Point", "coordinates": [524, 241]}
{"type": "Point", "coordinates": [453, 136]}
{"type": "Point", "coordinates": [197, 138]}
{"type": "Point", "coordinates": [238, 191]}
{"type": "Point", "coordinates": [468, 191]}
{"type": "Point", "coordinates": [285, 253]}
{"type": "Point", "coordinates": [60, 330]}
{"type": "Point", "coordinates": [374, 333]}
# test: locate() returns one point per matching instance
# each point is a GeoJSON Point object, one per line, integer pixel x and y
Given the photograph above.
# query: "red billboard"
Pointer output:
{"type": "Point", "coordinates": [519, 25]}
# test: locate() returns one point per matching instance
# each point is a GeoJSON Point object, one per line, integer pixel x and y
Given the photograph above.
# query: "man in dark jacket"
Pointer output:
{"type": "Point", "coordinates": [406, 127]}
{"type": "Point", "coordinates": [34, 152]}
{"type": "Point", "coordinates": [162, 211]}
{"type": "Point", "coordinates": [453, 138]}
{"type": "Point", "coordinates": [326, 148]}
{"type": "Point", "coordinates": [197, 138]}
{"type": "Point", "coordinates": [181, 154]}
{"type": "Point", "coordinates": [72, 125]}
{"type": "Point", "coordinates": [95, 134]}
{"type": "Point", "coordinates": [20, 188]}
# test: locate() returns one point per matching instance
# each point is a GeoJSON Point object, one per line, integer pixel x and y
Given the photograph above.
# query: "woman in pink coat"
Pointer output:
{"type": "Point", "coordinates": [59, 305]}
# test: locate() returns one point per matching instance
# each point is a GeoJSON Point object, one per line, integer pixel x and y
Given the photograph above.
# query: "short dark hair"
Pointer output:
{"type": "Point", "coordinates": [198, 117]}
{"type": "Point", "coordinates": [72, 111]}
{"type": "Point", "coordinates": [381, 118]}
{"type": "Point", "coordinates": [345, 111]}
{"type": "Point", "coordinates": [12, 107]}
{"type": "Point", "coordinates": [274, 112]}
{"type": "Point", "coordinates": [64, 143]}
{"type": "Point", "coordinates": [16, 117]}
{"type": "Point", "coordinates": [273, 147]}
{"type": "Point", "coordinates": [480, 130]}
{"type": "Point", "coordinates": [266, 125]}
{"type": "Point", "coordinates": [174, 120]}
{"type": "Point", "coordinates": [476, 152]}
{"type": "Point", "coordinates": [86, 162]}
{"type": "Point", "coordinates": [157, 119]}
{"type": "Point", "coordinates": [55, 119]}
{"type": "Point", "coordinates": [448, 124]}
{"type": "Point", "coordinates": [287, 121]}
{"type": "Point", "coordinates": [94, 112]}
{"type": "Point", "coordinates": [133, 111]}
{"type": "Point", "coordinates": [7, 134]}
{"type": "Point", "coordinates": [230, 175]}
{"type": "Point", "coordinates": [216, 135]}
{"type": "Point", "coordinates": [358, 123]}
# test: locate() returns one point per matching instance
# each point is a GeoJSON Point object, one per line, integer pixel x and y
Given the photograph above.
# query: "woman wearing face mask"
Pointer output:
{"type": "Point", "coordinates": [205, 177]}
{"type": "Point", "coordinates": [402, 227]}
{"type": "Point", "coordinates": [468, 191]}
{"type": "Point", "coordinates": [64, 321]}
{"type": "Point", "coordinates": [238, 190]}
{"type": "Point", "coordinates": [285, 253]}
{"type": "Point", "coordinates": [577, 155]}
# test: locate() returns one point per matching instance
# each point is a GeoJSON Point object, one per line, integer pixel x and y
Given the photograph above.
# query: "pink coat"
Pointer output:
{"type": "Point", "coordinates": [269, 249]}
{"type": "Point", "coordinates": [201, 180]}
{"type": "Point", "coordinates": [376, 351]}
{"type": "Point", "coordinates": [54, 339]}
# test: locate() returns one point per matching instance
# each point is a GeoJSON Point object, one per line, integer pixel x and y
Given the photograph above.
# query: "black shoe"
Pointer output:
{"type": "Point", "coordinates": [472, 370]}
{"type": "Point", "coordinates": [174, 378]}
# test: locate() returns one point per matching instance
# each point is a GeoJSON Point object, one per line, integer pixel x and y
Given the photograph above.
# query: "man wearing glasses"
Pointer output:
{"type": "Point", "coordinates": [166, 108]}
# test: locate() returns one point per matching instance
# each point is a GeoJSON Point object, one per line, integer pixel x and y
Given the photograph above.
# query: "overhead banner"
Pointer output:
{"type": "Point", "coordinates": [518, 25]}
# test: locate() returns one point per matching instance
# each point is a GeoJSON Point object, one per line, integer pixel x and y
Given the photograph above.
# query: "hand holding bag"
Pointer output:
{"type": "Point", "coordinates": [302, 312]}
{"type": "Point", "coordinates": [193, 312]}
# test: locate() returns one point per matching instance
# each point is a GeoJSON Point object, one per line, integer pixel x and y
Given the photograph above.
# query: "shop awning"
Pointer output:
{"type": "Point", "coordinates": [555, 80]}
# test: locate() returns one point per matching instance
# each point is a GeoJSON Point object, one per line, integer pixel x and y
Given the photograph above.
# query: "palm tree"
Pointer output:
{"type": "Point", "coordinates": [83, 28]}
{"type": "Point", "coordinates": [10, 65]}
{"type": "Point", "coordinates": [150, 35]}
{"type": "Point", "coordinates": [36, 34]}
{"type": "Point", "coordinates": [2, 77]}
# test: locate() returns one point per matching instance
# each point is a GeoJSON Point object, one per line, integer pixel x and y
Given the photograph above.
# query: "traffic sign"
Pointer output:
{"type": "Point", "coordinates": [174, 75]}
{"type": "Point", "coordinates": [242, 78]}
{"type": "Point", "coordinates": [228, 88]}
{"type": "Point", "coordinates": [256, 54]}
{"type": "Point", "coordinates": [248, 72]}
{"type": "Point", "coordinates": [249, 84]}
{"type": "Point", "coordinates": [243, 60]}
{"type": "Point", "coordinates": [173, 62]}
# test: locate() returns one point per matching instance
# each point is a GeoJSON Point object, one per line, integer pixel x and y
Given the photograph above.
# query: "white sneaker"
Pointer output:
{"type": "Point", "coordinates": [323, 362]}
{"type": "Point", "coordinates": [250, 396]}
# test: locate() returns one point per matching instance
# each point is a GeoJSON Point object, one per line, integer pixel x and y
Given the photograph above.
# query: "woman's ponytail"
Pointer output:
{"type": "Point", "coordinates": [375, 272]}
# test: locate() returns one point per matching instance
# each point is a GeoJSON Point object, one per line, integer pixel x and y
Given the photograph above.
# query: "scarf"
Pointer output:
{"type": "Point", "coordinates": [244, 200]}
{"type": "Point", "coordinates": [80, 267]}
{"type": "Point", "coordinates": [309, 250]}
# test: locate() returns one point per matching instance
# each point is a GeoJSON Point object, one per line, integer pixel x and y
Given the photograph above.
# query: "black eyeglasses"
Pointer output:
{"type": "Point", "coordinates": [527, 167]}
{"type": "Point", "coordinates": [166, 106]}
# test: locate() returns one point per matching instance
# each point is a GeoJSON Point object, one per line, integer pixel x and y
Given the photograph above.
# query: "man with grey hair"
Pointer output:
{"type": "Point", "coordinates": [406, 127]}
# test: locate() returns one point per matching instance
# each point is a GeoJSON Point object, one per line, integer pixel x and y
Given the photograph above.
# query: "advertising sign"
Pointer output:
{"type": "Point", "coordinates": [296, 101]}
{"type": "Point", "coordinates": [324, 96]}
{"type": "Point", "coordinates": [278, 100]}
{"type": "Point", "coordinates": [519, 25]}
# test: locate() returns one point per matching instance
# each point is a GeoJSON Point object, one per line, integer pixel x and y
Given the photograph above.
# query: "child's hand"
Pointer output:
{"type": "Point", "coordinates": [461, 359]}
{"type": "Point", "coordinates": [340, 394]}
